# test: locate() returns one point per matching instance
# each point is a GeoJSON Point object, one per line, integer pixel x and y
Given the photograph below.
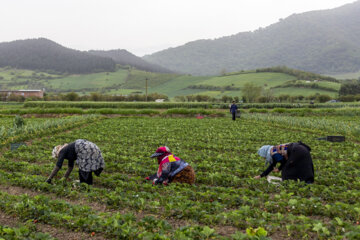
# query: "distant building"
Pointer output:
{"type": "Point", "coordinates": [159, 100]}
{"type": "Point", "coordinates": [25, 93]}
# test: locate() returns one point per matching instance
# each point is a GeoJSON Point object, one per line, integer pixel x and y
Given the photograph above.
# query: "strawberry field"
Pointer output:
{"type": "Point", "coordinates": [225, 203]}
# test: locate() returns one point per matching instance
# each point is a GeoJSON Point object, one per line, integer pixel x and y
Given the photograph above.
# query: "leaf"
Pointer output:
{"type": "Point", "coordinates": [261, 232]}
{"type": "Point", "coordinates": [207, 231]}
{"type": "Point", "coordinates": [293, 202]}
{"type": "Point", "coordinates": [250, 232]}
{"type": "Point", "coordinates": [339, 221]}
{"type": "Point", "coordinates": [317, 227]}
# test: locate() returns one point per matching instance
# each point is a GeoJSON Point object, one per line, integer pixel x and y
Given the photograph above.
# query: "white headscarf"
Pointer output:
{"type": "Point", "coordinates": [265, 152]}
{"type": "Point", "coordinates": [56, 150]}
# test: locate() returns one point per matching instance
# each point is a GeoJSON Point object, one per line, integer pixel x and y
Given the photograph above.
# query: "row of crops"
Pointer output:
{"type": "Point", "coordinates": [184, 109]}
{"type": "Point", "coordinates": [168, 105]}
{"type": "Point", "coordinates": [225, 203]}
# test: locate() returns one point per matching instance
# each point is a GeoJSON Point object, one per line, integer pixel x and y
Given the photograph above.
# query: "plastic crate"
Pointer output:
{"type": "Point", "coordinates": [335, 138]}
{"type": "Point", "coordinates": [14, 146]}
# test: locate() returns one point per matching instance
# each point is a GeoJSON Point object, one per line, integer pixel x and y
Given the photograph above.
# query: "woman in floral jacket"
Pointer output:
{"type": "Point", "coordinates": [86, 155]}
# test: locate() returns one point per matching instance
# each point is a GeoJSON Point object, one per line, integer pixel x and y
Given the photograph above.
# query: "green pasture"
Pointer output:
{"type": "Point", "coordinates": [93, 81]}
{"type": "Point", "coordinates": [325, 84]}
{"type": "Point", "coordinates": [292, 91]}
{"type": "Point", "coordinates": [177, 86]}
{"type": "Point", "coordinates": [261, 79]}
{"type": "Point", "coordinates": [136, 79]}
{"type": "Point", "coordinates": [9, 73]}
{"type": "Point", "coordinates": [132, 81]}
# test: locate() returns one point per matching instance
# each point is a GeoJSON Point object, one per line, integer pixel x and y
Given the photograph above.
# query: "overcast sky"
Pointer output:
{"type": "Point", "coordinates": [142, 26]}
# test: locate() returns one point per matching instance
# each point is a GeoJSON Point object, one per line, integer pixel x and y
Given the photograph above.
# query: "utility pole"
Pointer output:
{"type": "Point", "coordinates": [146, 87]}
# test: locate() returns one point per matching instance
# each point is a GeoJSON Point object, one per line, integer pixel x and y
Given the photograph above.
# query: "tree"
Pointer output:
{"type": "Point", "coordinates": [180, 99]}
{"type": "Point", "coordinates": [226, 98]}
{"type": "Point", "coordinates": [349, 88]}
{"type": "Point", "coordinates": [72, 96]}
{"type": "Point", "coordinates": [16, 98]}
{"type": "Point", "coordinates": [268, 95]}
{"type": "Point", "coordinates": [95, 97]}
{"type": "Point", "coordinates": [251, 92]}
{"type": "Point", "coordinates": [323, 98]}
{"type": "Point", "coordinates": [284, 97]}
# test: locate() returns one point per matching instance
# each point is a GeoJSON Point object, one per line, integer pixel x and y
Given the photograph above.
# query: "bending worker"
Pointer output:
{"type": "Point", "coordinates": [86, 154]}
{"type": "Point", "coordinates": [295, 159]}
{"type": "Point", "coordinates": [171, 168]}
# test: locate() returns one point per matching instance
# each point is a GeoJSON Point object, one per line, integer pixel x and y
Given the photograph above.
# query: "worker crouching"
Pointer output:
{"type": "Point", "coordinates": [82, 152]}
{"type": "Point", "coordinates": [295, 159]}
{"type": "Point", "coordinates": [171, 168]}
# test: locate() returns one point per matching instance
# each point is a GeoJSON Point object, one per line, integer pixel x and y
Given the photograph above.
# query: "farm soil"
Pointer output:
{"type": "Point", "coordinates": [175, 223]}
{"type": "Point", "coordinates": [60, 233]}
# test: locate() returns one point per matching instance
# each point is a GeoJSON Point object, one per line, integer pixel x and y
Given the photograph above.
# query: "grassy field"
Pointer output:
{"type": "Point", "coordinates": [266, 80]}
{"type": "Point", "coordinates": [226, 202]}
{"type": "Point", "coordinates": [124, 81]}
{"type": "Point", "coordinates": [302, 91]}
{"type": "Point", "coordinates": [90, 81]}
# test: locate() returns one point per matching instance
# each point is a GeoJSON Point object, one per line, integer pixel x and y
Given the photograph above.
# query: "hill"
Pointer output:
{"type": "Point", "coordinates": [123, 57]}
{"type": "Point", "coordinates": [325, 41]}
{"type": "Point", "coordinates": [43, 54]}
{"type": "Point", "coordinates": [128, 81]}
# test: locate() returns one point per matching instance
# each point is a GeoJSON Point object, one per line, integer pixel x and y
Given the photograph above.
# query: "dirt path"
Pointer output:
{"type": "Point", "coordinates": [14, 190]}
{"type": "Point", "coordinates": [60, 233]}
{"type": "Point", "coordinates": [98, 207]}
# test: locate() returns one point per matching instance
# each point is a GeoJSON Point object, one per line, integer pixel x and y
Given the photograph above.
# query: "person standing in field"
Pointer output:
{"type": "Point", "coordinates": [86, 155]}
{"type": "Point", "coordinates": [295, 159]}
{"type": "Point", "coordinates": [233, 110]}
{"type": "Point", "coordinates": [171, 168]}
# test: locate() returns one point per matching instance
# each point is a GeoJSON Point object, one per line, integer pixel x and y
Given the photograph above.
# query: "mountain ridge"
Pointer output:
{"type": "Point", "coordinates": [46, 55]}
{"type": "Point", "coordinates": [321, 41]}
{"type": "Point", "coordinates": [124, 57]}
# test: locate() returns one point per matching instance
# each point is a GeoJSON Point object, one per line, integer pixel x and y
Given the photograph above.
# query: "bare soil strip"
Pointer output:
{"type": "Point", "coordinates": [59, 233]}
{"type": "Point", "coordinates": [98, 207]}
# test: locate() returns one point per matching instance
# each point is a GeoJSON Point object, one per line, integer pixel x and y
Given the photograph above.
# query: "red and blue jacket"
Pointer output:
{"type": "Point", "coordinates": [169, 166]}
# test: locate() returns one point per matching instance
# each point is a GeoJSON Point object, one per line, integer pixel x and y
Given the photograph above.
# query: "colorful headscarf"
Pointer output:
{"type": "Point", "coordinates": [161, 151]}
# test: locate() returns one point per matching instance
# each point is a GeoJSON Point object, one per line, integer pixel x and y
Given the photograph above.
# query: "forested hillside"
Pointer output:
{"type": "Point", "coordinates": [324, 41]}
{"type": "Point", "coordinates": [123, 57]}
{"type": "Point", "coordinates": [43, 54]}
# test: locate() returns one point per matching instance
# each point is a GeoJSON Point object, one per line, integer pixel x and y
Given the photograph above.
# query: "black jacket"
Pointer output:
{"type": "Point", "coordinates": [68, 153]}
{"type": "Point", "coordinates": [299, 165]}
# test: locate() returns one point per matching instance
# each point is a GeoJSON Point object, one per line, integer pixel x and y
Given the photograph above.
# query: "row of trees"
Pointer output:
{"type": "Point", "coordinates": [303, 75]}
{"type": "Point", "coordinates": [260, 99]}
{"type": "Point", "coordinates": [214, 88]}
{"type": "Point", "coordinates": [72, 96]}
{"type": "Point", "coordinates": [350, 88]}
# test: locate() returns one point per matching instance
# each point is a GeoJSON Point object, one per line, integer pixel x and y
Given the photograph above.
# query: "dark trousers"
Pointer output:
{"type": "Point", "coordinates": [233, 116]}
{"type": "Point", "coordinates": [85, 177]}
